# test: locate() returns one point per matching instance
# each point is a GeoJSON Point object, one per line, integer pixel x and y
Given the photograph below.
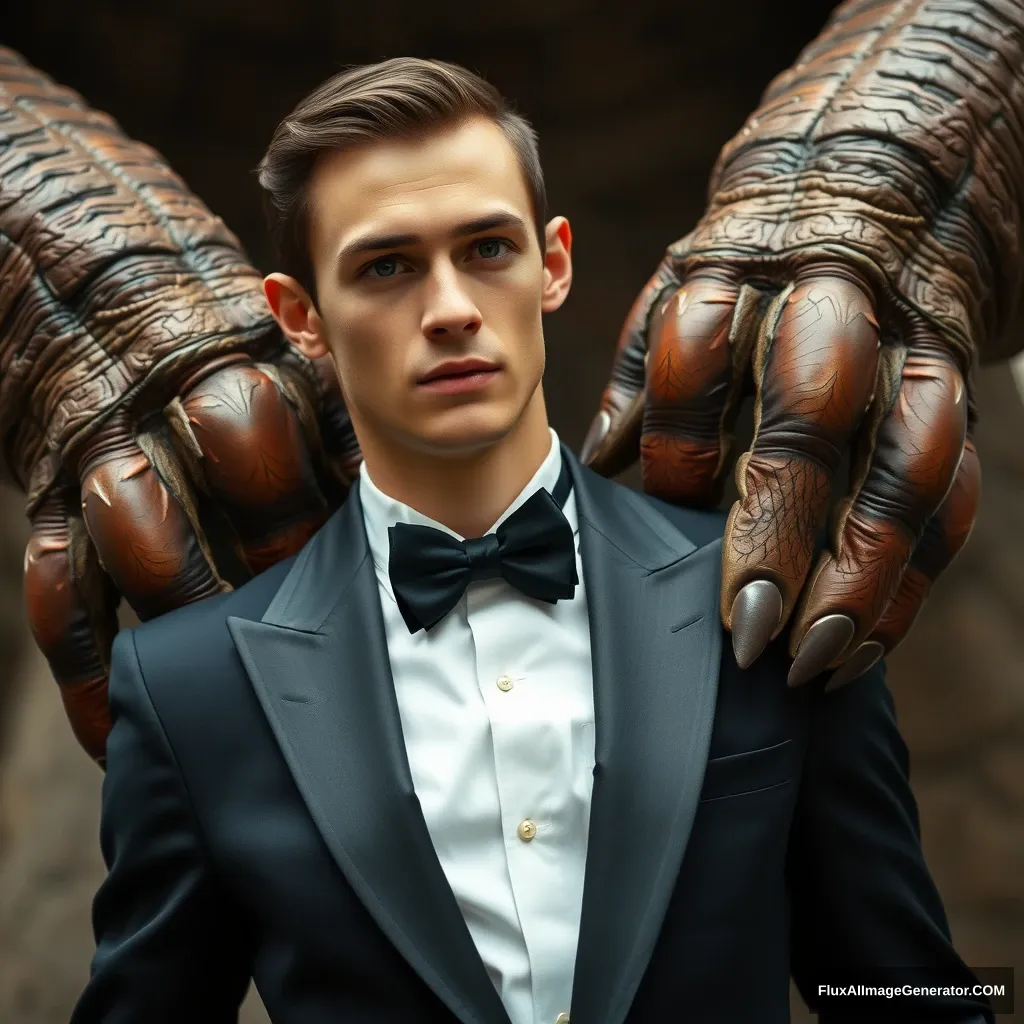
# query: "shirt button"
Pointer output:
{"type": "Point", "coordinates": [562, 1018]}
{"type": "Point", "coordinates": [527, 830]}
{"type": "Point", "coordinates": [505, 683]}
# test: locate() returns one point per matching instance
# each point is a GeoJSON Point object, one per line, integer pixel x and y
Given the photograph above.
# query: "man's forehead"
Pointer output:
{"type": "Point", "coordinates": [453, 175]}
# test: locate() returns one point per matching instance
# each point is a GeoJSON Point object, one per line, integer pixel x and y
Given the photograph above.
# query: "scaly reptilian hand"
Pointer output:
{"type": "Point", "coordinates": [861, 249]}
{"type": "Point", "coordinates": [165, 434]}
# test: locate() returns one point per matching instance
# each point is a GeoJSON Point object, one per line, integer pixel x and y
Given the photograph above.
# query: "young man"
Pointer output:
{"type": "Point", "coordinates": [478, 753]}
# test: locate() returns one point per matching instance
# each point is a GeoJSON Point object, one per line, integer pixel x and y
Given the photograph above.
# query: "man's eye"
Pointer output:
{"type": "Point", "coordinates": [492, 248]}
{"type": "Point", "coordinates": [386, 266]}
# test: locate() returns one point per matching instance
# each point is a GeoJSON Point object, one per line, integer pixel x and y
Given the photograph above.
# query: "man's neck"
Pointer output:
{"type": "Point", "coordinates": [466, 493]}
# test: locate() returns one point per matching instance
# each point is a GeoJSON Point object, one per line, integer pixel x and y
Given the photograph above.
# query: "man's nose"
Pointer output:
{"type": "Point", "coordinates": [450, 311]}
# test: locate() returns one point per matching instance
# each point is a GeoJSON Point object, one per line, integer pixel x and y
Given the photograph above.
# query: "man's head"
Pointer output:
{"type": "Point", "coordinates": [407, 203]}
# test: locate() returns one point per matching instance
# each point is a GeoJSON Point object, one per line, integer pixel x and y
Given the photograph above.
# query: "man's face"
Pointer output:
{"type": "Point", "coordinates": [425, 253]}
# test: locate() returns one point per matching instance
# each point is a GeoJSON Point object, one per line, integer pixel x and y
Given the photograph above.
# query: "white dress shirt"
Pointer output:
{"type": "Point", "coordinates": [497, 710]}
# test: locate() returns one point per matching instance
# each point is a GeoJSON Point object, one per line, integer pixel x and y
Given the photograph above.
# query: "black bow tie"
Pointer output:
{"type": "Point", "coordinates": [533, 549]}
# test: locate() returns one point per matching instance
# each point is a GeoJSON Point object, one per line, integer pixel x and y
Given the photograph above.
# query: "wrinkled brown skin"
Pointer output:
{"type": "Point", "coordinates": [861, 249]}
{"type": "Point", "coordinates": [145, 392]}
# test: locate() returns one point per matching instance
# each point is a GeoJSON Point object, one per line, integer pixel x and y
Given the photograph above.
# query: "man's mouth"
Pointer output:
{"type": "Point", "coordinates": [460, 381]}
{"type": "Point", "coordinates": [458, 368]}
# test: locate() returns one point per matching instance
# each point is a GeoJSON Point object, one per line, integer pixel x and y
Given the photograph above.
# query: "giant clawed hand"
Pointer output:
{"type": "Point", "coordinates": [146, 395]}
{"type": "Point", "coordinates": [860, 251]}
{"type": "Point", "coordinates": [822, 384]}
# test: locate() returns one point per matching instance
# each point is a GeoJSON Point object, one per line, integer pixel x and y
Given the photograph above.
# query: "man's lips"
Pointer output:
{"type": "Point", "coordinates": [458, 368]}
{"type": "Point", "coordinates": [456, 383]}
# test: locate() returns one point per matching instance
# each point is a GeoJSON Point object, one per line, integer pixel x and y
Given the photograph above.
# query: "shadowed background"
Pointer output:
{"type": "Point", "coordinates": [632, 102]}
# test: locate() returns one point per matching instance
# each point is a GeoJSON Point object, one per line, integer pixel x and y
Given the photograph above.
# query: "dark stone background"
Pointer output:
{"type": "Point", "coordinates": [632, 102]}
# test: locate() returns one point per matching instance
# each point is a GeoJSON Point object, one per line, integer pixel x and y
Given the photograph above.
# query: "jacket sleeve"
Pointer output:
{"type": "Point", "coordinates": [864, 906]}
{"type": "Point", "coordinates": [170, 945]}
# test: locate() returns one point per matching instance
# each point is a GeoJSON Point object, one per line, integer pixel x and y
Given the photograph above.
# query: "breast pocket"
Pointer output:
{"type": "Point", "coordinates": [750, 771]}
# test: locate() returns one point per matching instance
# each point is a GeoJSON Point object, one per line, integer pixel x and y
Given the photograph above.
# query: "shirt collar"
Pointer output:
{"type": "Point", "coordinates": [381, 510]}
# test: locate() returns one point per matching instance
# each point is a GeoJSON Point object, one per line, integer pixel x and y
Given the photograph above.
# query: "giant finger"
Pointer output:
{"type": "Point", "coordinates": [253, 455]}
{"type": "Point", "coordinates": [814, 372]}
{"type": "Point", "coordinates": [946, 533]}
{"type": "Point", "coordinates": [72, 611]}
{"type": "Point", "coordinates": [699, 349]}
{"type": "Point", "coordinates": [312, 388]}
{"type": "Point", "coordinates": [144, 523]}
{"type": "Point", "coordinates": [612, 443]}
{"type": "Point", "coordinates": [904, 471]}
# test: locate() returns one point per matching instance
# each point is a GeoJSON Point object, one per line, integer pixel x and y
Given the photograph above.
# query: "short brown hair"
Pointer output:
{"type": "Point", "coordinates": [404, 97]}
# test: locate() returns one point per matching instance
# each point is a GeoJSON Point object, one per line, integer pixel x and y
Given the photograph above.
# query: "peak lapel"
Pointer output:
{"type": "Point", "coordinates": [655, 643]}
{"type": "Point", "coordinates": [319, 664]}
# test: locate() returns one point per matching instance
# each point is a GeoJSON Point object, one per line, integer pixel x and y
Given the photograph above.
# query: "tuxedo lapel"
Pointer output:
{"type": "Point", "coordinates": [655, 644]}
{"type": "Point", "coordinates": [319, 664]}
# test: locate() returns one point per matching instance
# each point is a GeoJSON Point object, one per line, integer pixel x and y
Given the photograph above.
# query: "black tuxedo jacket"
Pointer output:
{"type": "Point", "coordinates": [259, 817]}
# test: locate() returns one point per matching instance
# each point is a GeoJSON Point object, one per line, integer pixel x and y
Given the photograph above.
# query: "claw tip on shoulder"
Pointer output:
{"type": "Point", "coordinates": [595, 436]}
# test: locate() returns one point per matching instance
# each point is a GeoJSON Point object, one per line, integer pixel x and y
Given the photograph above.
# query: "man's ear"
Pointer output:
{"type": "Point", "coordinates": [293, 309]}
{"type": "Point", "coordinates": [557, 264]}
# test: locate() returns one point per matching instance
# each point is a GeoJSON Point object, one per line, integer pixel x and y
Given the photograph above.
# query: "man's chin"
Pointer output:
{"type": "Point", "coordinates": [460, 445]}
{"type": "Point", "coordinates": [469, 434]}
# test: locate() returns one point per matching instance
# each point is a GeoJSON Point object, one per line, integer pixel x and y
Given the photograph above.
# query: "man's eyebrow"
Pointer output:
{"type": "Point", "coordinates": [375, 243]}
{"type": "Point", "coordinates": [491, 220]}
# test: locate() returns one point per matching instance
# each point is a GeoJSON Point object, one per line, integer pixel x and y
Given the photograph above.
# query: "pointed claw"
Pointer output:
{"type": "Point", "coordinates": [821, 643]}
{"type": "Point", "coordinates": [856, 664]}
{"type": "Point", "coordinates": [756, 614]}
{"type": "Point", "coordinates": [595, 436]}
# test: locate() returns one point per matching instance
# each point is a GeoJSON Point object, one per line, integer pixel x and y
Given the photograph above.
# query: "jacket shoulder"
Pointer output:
{"type": "Point", "coordinates": [702, 526]}
{"type": "Point", "coordinates": [193, 641]}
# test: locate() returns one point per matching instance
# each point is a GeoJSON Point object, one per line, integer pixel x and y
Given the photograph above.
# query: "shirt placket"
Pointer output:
{"type": "Point", "coordinates": [530, 758]}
